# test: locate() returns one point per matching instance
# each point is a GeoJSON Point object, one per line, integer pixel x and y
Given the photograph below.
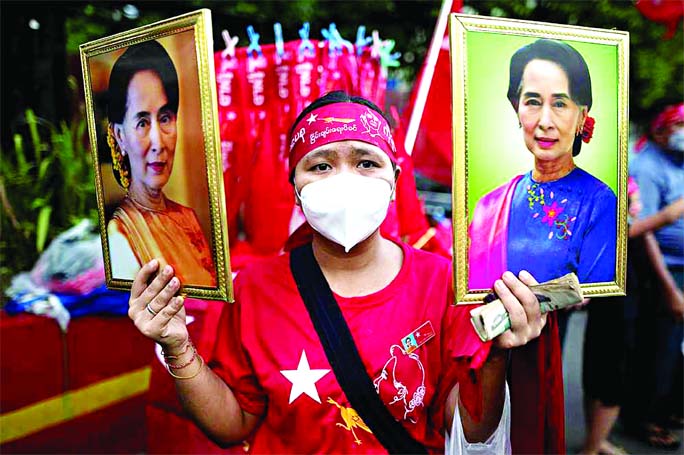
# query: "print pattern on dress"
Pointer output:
{"type": "Point", "coordinates": [551, 211]}
{"type": "Point", "coordinates": [400, 374]}
{"type": "Point", "coordinates": [351, 420]}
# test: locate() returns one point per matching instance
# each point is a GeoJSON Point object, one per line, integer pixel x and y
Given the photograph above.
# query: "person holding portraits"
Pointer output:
{"type": "Point", "coordinates": [555, 219]}
{"type": "Point", "coordinates": [142, 108]}
{"type": "Point", "coordinates": [274, 386]}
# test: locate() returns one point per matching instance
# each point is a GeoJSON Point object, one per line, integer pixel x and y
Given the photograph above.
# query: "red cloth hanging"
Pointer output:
{"type": "Point", "coordinates": [338, 70]}
{"type": "Point", "coordinates": [271, 198]}
{"type": "Point", "coordinates": [259, 97]}
{"type": "Point", "coordinates": [304, 75]}
{"type": "Point", "coordinates": [369, 69]}
{"type": "Point", "coordinates": [283, 116]}
{"type": "Point", "coordinates": [349, 69]}
{"type": "Point", "coordinates": [235, 144]}
{"type": "Point", "coordinates": [262, 234]}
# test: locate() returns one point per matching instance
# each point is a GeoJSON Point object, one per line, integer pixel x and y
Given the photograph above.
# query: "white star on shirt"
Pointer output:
{"type": "Point", "coordinates": [312, 118]}
{"type": "Point", "coordinates": [304, 379]}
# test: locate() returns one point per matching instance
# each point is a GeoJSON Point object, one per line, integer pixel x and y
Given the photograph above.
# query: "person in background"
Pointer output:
{"type": "Point", "coordinates": [658, 169]}
{"type": "Point", "coordinates": [608, 337]}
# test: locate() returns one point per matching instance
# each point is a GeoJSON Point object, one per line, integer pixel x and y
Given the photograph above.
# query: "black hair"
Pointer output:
{"type": "Point", "coordinates": [338, 96]}
{"type": "Point", "coordinates": [565, 56]}
{"type": "Point", "coordinates": [149, 55]}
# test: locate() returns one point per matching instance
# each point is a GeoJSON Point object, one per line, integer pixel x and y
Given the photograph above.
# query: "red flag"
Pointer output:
{"type": "Point", "coordinates": [428, 133]}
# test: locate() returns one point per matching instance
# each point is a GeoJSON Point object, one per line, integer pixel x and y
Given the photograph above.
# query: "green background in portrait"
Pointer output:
{"type": "Point", "coordinates": [496, 150]}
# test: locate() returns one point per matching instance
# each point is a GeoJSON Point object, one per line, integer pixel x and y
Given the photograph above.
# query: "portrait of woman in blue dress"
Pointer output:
{"type": "Point", "coordinates": [557, 218]}
{"type": "Point", "coordinates": [554, 219]}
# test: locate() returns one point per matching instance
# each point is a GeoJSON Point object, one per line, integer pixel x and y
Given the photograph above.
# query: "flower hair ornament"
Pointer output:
{"type": "Point", "coordinates": [588, 129]}
{"type": "Point", "coordinates": [118, 159]}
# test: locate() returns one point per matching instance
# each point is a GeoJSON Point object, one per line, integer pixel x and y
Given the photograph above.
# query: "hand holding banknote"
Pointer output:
{"type": "Point", "coordinates": [493, 319]}
{"type": "Point", "coordinates": [518, 300]}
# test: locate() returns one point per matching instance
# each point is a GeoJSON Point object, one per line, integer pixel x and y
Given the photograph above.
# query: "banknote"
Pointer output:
{"type": "Point", "coordinates": [491, 320]}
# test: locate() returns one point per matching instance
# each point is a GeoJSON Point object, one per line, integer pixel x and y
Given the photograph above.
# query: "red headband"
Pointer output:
{"type": "Point", "coordinates": [670, 116]}
{"type": "Point", "coordinates": [340, 122]}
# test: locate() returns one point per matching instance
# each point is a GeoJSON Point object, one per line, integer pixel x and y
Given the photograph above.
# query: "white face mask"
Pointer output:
{"type": "Point", "coordinates": [676, 141]}
{"type": "Point", "coordinates": [346, 208]}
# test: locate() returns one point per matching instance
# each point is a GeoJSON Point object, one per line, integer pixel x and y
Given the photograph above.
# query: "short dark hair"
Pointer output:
{"type": "Point", "coordinates": [565, 56]}
{"type": "Point", "coordinates": [149, 55]}
{"type": "Point", "coordinates": [559, 53]}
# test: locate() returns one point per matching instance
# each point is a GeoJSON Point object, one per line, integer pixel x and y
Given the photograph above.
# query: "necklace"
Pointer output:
{"type": "Point", "coordinates": [144, 207]}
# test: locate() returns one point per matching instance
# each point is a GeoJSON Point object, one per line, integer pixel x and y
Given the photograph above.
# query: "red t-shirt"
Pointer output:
{"type": "Point", "coordinates": [269, 353]}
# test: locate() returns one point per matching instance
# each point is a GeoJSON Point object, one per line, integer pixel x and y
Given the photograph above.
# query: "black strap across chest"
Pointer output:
{"type": "Point", "coordinates": [343, 356]}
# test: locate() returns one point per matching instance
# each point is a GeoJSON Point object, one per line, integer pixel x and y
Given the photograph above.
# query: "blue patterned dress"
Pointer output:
{"type": "Point", "coordinates": [567, 225]}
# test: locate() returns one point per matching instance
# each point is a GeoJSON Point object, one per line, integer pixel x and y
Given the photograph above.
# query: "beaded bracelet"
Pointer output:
{"type": "Point", "coordinates": [201, 362]}
{"type": "Point", "coordinates": [178, 367]}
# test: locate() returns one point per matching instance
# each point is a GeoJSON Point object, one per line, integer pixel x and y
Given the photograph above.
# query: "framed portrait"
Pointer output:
{"type": "Point", "coordinates": [540, 137]}
{"type": "Point", "coordinates": [152, 121]}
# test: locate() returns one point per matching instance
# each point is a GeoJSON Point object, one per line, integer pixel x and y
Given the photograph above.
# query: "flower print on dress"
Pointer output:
{"type": "Point", "coordinates": [551, 212]}
{"type": "Point", "coordinates": [533, 196]}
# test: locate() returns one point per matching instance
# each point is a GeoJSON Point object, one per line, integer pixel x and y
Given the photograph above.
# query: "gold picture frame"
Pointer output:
{"type": "Point", "coordinates": [152, 120]}
{"type": "Point", "coordinates": [489, 148]}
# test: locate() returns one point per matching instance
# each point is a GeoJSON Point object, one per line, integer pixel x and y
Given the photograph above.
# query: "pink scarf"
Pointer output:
{"type": "Point", "coordinates": [488, 233]}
